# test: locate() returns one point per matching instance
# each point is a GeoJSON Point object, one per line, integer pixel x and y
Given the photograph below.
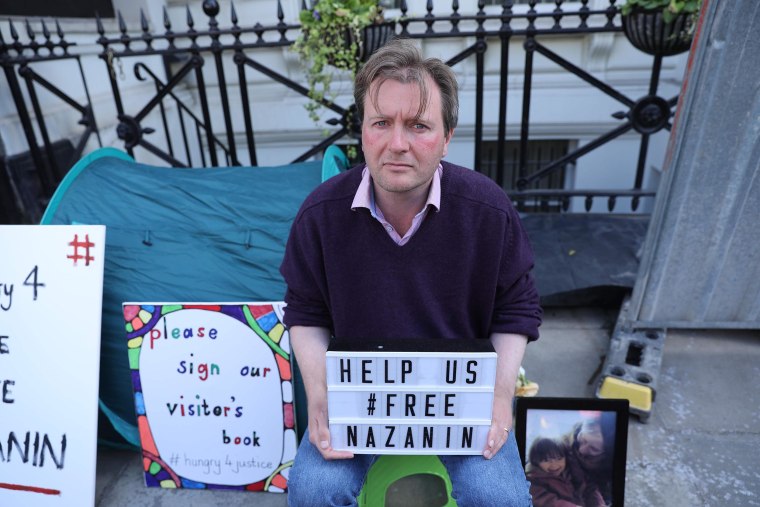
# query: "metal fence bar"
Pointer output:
{"type": "Point", "coordinates": [525, 117]}
{"type": "Point", "coordinates": [247, 117]}
{"type": "Point", "coordinates": [480, 49]}
{"type": "Point", "coordinates": [644, 146]}
{"type": "Point", "coordinates": [505, 36]}
{"type": "Point", "coordinates": [50, 168]}
{"type": "Point", "coordinates": [574, 69]}
{"type": "Point", "coordinates": [44, 174]}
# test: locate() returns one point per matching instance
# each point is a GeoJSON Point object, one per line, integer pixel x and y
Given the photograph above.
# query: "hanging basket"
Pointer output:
{"type": "Point", "coordinates": [647, 31]}
{"type": "Point", "coordinates": [373, 38]}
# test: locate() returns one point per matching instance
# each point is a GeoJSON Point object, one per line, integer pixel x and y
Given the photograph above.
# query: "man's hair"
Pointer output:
{"type": "Point", "coordinates": [544, 449]}
{"type": "Point", "coordinates": [401, 61]}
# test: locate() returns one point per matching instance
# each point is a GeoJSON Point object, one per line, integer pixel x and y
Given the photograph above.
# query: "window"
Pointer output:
{"type": "Point", "coordinates": [540, 154]}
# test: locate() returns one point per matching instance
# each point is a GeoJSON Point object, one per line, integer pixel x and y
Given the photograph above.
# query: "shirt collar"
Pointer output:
{"type": "Point", "coordinates": [365, 195]}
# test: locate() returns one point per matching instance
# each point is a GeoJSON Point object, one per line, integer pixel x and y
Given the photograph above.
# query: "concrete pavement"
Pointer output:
{"type": "Point", "coordinates": [699, 447]}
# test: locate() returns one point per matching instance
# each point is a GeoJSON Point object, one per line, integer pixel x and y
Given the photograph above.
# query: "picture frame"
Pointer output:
{"type": "Point", "coordinates": [588, 435]}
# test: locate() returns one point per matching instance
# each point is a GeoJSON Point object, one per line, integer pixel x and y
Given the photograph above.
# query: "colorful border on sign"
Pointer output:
{"type": "Point", "coordinates": [264, 320]}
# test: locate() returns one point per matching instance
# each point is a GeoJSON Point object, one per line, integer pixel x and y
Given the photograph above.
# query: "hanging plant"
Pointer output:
{"type": "Point", "coordinates": [660, 27]}
{"type": "Point", "coordinates": [333, 39]}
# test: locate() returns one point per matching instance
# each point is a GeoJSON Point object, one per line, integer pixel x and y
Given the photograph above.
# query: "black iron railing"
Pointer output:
{"type": "Point", "coordinates": [211, 136]}
{"type": "Point", "coordinates": [17, 59]}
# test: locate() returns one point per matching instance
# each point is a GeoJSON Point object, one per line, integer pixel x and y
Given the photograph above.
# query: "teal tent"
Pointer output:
{"type": "Point", "coordinates": [190, 235]}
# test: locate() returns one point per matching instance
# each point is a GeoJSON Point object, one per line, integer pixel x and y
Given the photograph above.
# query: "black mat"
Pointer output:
{"type": "Point", "coordinates": [585, 259]}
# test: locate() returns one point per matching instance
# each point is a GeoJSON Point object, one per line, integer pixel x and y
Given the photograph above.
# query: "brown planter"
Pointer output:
{"type": "Point", "coordinates": [647, 32]}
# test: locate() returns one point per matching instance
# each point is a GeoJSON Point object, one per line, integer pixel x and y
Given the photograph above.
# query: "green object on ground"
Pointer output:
{"type": "Point", "coordinates": [386, 479]}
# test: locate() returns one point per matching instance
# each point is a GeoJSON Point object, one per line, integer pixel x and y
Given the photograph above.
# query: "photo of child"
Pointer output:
{"type": "Point", "coordinates": [555, 482]}
{"type": "Point", "coordinates": [570, 457]}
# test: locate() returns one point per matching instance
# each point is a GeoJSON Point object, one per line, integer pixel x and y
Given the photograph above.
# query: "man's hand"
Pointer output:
{"type": "Point", "coordinates": [510, 349]}
{"type": "Point", "coordinates": [501, 425]}
{"type": "Point", "coordinates": [310, 346]}
{"type": "Point", "coordinates": [319, 432]}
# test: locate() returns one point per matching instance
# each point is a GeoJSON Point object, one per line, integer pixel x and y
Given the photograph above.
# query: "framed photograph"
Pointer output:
{"type": "Point", "coordinates": [573, 450]}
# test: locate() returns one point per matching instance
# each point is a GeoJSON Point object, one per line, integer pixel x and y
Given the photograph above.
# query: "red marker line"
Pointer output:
{"type": "Point", "coordinates": [31, 489]}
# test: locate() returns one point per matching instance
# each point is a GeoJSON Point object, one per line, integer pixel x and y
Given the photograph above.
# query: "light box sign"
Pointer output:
{"type": "Point", "coordinates": [410, 397]}
{"type": "Point", "coordinates": [213, 394]}
{"type": "Point", "coordinates": [51, 288]}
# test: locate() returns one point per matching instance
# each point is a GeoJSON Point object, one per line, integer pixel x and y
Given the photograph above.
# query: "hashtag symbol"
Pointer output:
{"type": "Point", "coordinates": [174, 460]}
{"type": "Point", "coordinates": [371, 404]}
{"type": "Point", "coordinates": [86, 245]}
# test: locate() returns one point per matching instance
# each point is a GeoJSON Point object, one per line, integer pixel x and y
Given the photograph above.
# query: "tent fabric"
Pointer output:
{"type": "Point", "coordinates": [190, 235]}
{"type": "Point", "coordinates": [585, 258]}
{"type": "Point", "coordinates": [334, 162]}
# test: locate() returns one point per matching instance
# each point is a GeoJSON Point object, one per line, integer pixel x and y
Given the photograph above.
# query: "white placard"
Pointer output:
{"type": "Point", "coordinates": [424, 402]}
{"type": "Point", "coordinates": [213, 394]}
{"type": "Point", "coordinates": [51, 288]}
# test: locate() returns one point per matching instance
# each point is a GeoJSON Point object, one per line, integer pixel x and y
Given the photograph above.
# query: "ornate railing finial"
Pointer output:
{"type": "Point", "coordinates": [233, 15]}
{"type": "Point", "coordinates": [211, 8]}
{"type": "Point", "coordinates": [190, 22]}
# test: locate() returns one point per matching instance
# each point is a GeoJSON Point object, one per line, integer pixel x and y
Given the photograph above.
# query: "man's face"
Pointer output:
{"type": "Point", "coordinates": [402, 149]}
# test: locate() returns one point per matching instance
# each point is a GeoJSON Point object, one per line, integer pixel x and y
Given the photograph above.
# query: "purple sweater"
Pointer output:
{"type": "Point", "coordinates": [464, 274]}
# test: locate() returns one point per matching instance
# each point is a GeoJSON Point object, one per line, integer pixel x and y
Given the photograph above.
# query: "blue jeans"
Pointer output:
{"type": "Point", "coordinates": [476, 481]}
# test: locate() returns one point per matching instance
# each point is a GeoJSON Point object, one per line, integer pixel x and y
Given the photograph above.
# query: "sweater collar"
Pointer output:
{"type": "Point", "coordinates": [365, 193]}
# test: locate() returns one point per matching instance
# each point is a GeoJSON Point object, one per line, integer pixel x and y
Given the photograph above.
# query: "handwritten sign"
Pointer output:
{"type": "Point", "coordinates": [51, 287]}
{"type": "Point", "coordinates": [213, 394]}
{"type": "Point", "coordinates": [417, 397]}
